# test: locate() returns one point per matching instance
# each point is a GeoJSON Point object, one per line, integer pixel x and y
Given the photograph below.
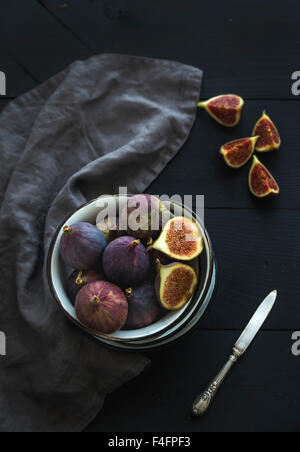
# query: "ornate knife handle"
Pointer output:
{"type": "Point", "coordinates": [202, 402]}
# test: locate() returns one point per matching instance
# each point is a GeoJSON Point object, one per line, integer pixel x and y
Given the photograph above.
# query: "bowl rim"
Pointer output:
{"type": "Point", "coordinates": [99, 336]}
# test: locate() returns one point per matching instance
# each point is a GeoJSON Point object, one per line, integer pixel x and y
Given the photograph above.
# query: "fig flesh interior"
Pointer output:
{"type": "Point", "coordinates": [261, 181]}
{"type": "Point", "coordinates": [238, 152]}
{"type": "Point", "coordinates": [180, 239]}
{"type": "Point", "coordinates": [226, 109]}
{"type": "Point", "coordinates": [269, 138]}
{"type": "Point", "coordinates": [178, 282]}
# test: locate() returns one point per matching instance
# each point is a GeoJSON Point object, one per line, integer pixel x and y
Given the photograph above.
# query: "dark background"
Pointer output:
{"type": "Point", "coordinates": [250, 48]}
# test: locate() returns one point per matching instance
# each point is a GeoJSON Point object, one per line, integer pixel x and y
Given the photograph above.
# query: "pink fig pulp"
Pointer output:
{"type": "Point", "coordinates": [225, 109]}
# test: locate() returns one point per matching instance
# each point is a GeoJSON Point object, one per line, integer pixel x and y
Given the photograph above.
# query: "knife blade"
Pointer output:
{"type": "Point", "coordinates": [256, 322]}
{"type": "Point", "coordinates": [202, 402]}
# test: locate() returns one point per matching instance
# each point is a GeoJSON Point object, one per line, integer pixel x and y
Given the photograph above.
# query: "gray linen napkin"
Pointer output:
{"type": "Point", "coordinates": [106, 122]}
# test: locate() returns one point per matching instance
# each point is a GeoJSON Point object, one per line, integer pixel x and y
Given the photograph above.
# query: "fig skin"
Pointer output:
{"type": "Point", "coordinates": [101, 307]}
{"type": "Point", "coordinates": [156, 256]}
{"type": "Point", "coordinates": [261, 181]}
{"type": "Point", "coordinates": [175, 285]}
{"type": "Point", "coordinates": [110, 228]}
{"type": "Point", "coordinates": [126, 261]}
{"type": "Point", "coordinates": [269, 138]}
{"type": "Point", "coordinates": [237, 153]}
{"type": "Point", "coordinates": [226, 109]}
{"type": "Point", "coordinates": [175, 240]}
{"type": "Point", "coordinates": [80, 278]}
{"type": "Point", "coordinates": [147, 210]}
{"type": "Point", "coordinates": [143, 308]}
{"type": "Point", "coordinates": [82, 245]}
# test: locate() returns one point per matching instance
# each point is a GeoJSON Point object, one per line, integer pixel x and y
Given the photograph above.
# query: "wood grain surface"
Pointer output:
{"type": "Point", "coordinates": [250, 48]}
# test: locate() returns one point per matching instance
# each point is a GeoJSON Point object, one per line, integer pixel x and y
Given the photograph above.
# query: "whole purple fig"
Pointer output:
{"type": "Point", "coordinates": [80, 278]}
{"type": "Point", "coordinates": [126, 261]}
{"type": "Point", "coordinates": [81, 245]}
{"type": "Point", "coordinates": [144, 216]}
{"type": "Point", "coordinates": [102, 307]}
{"type": "Point", "coordinates": [143, 307]}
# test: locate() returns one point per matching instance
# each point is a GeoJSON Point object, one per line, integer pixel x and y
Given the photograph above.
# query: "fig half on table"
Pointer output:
{"type": "Point", "coordinates": [175, 285]}
{"type": "Point", "coordinates": [225, 109]}
{"type": "Point", "coordinates": [261, 181]}
{"type": "Point", "coordinates": [237, 153]}
{"type": "Point", "coordinates": [269, 138]}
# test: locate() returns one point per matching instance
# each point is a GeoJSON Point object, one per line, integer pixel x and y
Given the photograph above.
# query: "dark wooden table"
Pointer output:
{"type": "Point", "coordinates": [250, 48]}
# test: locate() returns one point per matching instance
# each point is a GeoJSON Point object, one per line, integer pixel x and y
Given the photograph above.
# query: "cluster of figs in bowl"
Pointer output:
{"type": "Point", "coordinates": [129, 283]}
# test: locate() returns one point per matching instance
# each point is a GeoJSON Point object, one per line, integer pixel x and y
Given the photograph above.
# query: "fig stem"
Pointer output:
{"type": "Point", "coordinates": [79, 279]}
{"type": "Point", "coordinates": [95, 300]}
{"type": "Point", "coordinates": [158, 265]}
{"type": "Point", "coordinates": [200, 104]}
{"type": "Point", "coordinates": [135, 243]}
{"type": "Point", "coordinates": [67, 229]}
{"type": "Point", "coordinates": [128, 292]}
{"type": "Point", "coordinates": [150, 241]}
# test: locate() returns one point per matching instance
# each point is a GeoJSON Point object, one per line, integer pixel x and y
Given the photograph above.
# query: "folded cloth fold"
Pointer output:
{"type": "Point", "coordinates": [110, 121]}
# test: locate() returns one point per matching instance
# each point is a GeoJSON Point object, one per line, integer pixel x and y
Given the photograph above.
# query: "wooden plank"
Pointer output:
{"type": "Point", "coordinates": [239, 48]}
{"type": "Point", "coordinates": [36, 40]}
{"type": "Point", "coordinates": [260, 395]}
{"type": "Point", "coordinates": [199, 169]}
{"type": "Point", "coordinates": [257, 251]}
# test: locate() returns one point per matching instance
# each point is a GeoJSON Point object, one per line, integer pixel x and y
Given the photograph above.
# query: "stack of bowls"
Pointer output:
{"type": "Point", "coordinates": [174, 325]}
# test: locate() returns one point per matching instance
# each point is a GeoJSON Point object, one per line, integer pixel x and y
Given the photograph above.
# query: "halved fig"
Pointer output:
{"type": "Point", "coordinates": [226, 109]}
{"type": "Point", "coordinates": [175, 285]}
{"type": "Point", "coordinates": [269, 137]}
{"type": "Point", "coordinates": [180, 239]}
{"type": "Point", "coordinates": [238, 152]}
{"type": "Point", "coordinates": [261, 181]}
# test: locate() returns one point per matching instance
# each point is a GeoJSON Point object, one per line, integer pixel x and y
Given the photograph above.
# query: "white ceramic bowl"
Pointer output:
{"type": "Point", "coordinates": [168, 325]}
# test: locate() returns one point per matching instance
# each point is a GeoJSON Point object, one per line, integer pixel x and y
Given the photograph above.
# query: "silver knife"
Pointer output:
{"type": "Point", "coordinates": [202, 402]}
